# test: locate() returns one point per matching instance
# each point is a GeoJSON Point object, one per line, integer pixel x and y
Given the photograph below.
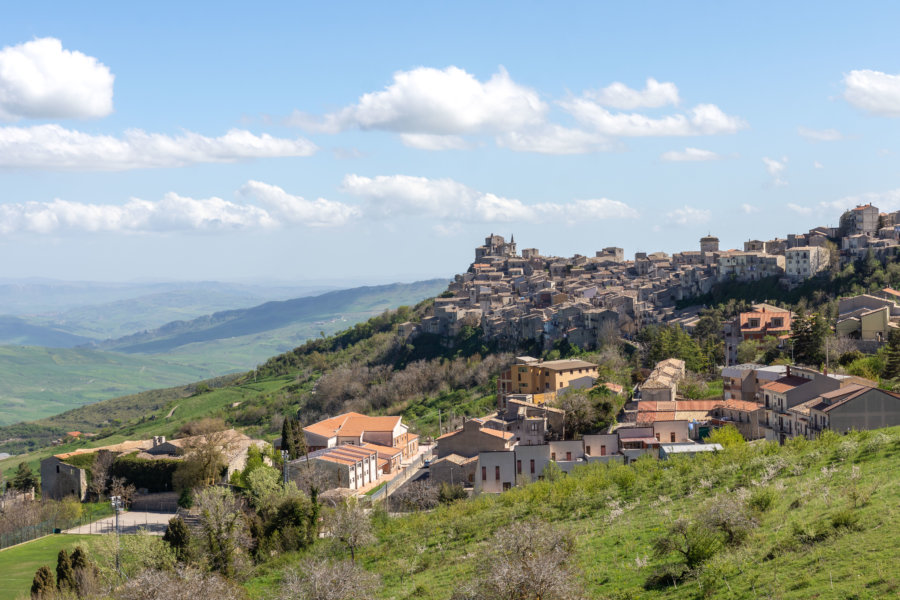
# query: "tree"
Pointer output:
{"type": "Point", "coordinates": [421, 494]}
{"type": "Point", "coordinates": [292, 438]}
{"type": "Point", "coordinates": [118, 486]}
{"type": "Point", "coordinates": [452, 493]}
{"type": "Point", "coordinates": [350, 524]}
{"type": "Point", "coordinates": [529, 560]}
{"type": "Point", "coordinates": [581, 415]}
{"type": "Point", "coordinates": [178, 536]}
{"type": "Point", "coordinates": [694, 543]}
{"type": "Point", "coordinates": [726, 436]}
{"type": "Point", "coordinates": [184, 583]}
{"type": "Point", "coordinates": [24, 479]}
{"type": "Point", "coordinates": [65, 575]}
{"type": "Point", "coordinates": [223, 528]}
{"type": "Point", "coordinates": [203, 462]}
{"type": "Point", "coordinates": [808, 337]}
{"type": "Point", "coordinates": [100, 473]}
{"type": "Point", "coordinates": [42, 586]}
{"type": "Point", "coordinates": [319, 579]}
{"type": "Point", "coordinates": [892, 355]}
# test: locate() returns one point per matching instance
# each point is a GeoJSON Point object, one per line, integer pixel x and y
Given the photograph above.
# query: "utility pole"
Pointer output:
{"type": "Point", "coordinates": [440, 429]}
{"type": "Point", "coordinates": [117, 506]}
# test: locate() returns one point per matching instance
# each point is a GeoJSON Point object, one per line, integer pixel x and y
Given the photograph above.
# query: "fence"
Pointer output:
{"type": "Point", "coordinates": [27, 533]}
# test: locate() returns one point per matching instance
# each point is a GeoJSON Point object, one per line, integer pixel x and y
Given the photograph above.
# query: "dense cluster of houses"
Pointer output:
{"type": "Point", "coordinates": [530, 298]}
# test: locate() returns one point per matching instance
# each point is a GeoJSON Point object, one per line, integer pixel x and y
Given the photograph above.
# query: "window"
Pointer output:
{"type": "Point", "coordinates": [553, 456]}
{"type": "Point", "coordinates": [506, 485]}
{"type": "Point", "coordinates": [568, 456]}
{"type": "Point", "coordinates": [484, 473]}
{"type": "Point", "coordinates": [672, 437]}
{"type": "Point", "coordinates": [532, 466]}
{"type": "Point", "coordinates": [497, 473]}
{"type": "Point", "coordinates": [587, 450]}
{"type": "Point", "coordinates": [657, 436]}
{"type": "Point", "coordinates": [534, 426]}
{"type": "Point", "coordinates": [519, 467]}
{"type": "Point", "coordinates": [602, 450]}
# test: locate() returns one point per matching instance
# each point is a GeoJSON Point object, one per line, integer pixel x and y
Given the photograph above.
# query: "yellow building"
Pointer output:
{"type": "Point", "coordinates": [544, 379]}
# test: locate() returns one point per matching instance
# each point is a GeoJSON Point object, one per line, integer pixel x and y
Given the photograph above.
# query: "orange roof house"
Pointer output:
{"type": "Point", "coordinates": [358, 429]}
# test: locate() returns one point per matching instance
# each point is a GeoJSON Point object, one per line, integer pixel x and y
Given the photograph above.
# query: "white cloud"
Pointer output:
{"type": "Point", "coordinates": [440, 102]}
{"type": "Point", "coordinates": [689, 154]}
{"type": "Point", "coordinates": [54, 147]}
{"type": "Point", "coordinates": [689, 215]}
{"type": "Point", "coordinates": [703, 119]}
{"type": "Point", "coordinates": [426, 141]}
{"type": "Point", "coordinates": [776, 169]}
{"type": "Point", "coordinates": [288, 208]}
{"type": "Point", "coordinates": [749, 208]}
{"type": "Point", "coordinates": [618, 95]}
{"type": "Point", "coordinates": [817, 165]}
{"type": "Point", "coordinates": [554, 139]}
{"type": "Point", "coordinates": [873, 91]}
{"type": "Point", "coordinates": [404, 195]}
{"type": "Point", "coordinates": [41, 80]}
{"type": "Point", "coordinates": [802, 210]}
{"type": "Point", "coordinates": [888, 201]}
{"type": "Point", "coordinates": [820, 135]}
{"type": "Point", "coordinates": [172, 213]}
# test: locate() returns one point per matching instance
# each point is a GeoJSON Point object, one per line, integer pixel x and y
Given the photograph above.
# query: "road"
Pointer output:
{"type": "Point", "coordinates": [130, 522]}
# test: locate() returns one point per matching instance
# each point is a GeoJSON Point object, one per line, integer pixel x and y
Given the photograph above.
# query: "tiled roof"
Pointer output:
{"type": "Point", "coordinates": [696, 404]}
{"type": "Point", "coordinates": [351, 425]}
{"type": "Point", "coordinates": [780, 386]}
{"type": "Point", "coordinates": [741, 405]}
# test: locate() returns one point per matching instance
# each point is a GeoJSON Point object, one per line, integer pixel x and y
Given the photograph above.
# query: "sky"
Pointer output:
{"type": "Point", "coordinates": [378, 142]}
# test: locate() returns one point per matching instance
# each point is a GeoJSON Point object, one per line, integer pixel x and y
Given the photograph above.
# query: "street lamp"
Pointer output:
{"type": "Point", "coordinates": [116, 502]}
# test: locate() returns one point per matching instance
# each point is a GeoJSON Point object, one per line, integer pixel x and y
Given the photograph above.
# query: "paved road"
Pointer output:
{"type": "Point", "coordinates": [129, 523]}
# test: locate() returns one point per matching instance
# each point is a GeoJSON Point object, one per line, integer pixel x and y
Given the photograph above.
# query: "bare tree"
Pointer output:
{"type": "Point", "coordinates": [528, 560]}
{"type": "Point", "coordinates": [319, 579]}
{"type": "Point", "coordinates": [422, 494]}
{"type": "Point", "coordinates": [204, 460]}
{"type": "Point", "coordinates": [118, 486]}
{"type": "Point", "coordinates": [350, 524]}
{"type": "Point", "coordinates": [100, 473]}
{"type": "Point", "coordinates": [223, 528]}
{"type": "Point", "coordinates": [581, 415]}
{"type": "Point", "coordinates": [181, 584]}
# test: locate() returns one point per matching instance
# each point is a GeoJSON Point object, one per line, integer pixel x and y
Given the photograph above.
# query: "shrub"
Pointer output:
{"type": "Point", "coordinates": [845, 519]}
{"type": "Point", "coordinates": [762, 499]}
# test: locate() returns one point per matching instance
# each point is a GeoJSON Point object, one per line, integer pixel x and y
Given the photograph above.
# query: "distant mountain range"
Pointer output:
{"type": "Point", "coordinates": [48, 364]}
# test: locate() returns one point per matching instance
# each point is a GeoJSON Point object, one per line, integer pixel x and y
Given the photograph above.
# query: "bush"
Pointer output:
{"type": "Point", "coordinates": [762, 499]}
{"type": "Point", "coordinates": [153, 474]}
{"type": "Point", "coordinates": [845, 519]}
{"type": "Point", "coordinates": [451, 493]}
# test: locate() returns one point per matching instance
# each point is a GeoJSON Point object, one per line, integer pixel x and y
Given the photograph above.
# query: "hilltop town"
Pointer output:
{"type": "Point", "coordinates": [525, 298]}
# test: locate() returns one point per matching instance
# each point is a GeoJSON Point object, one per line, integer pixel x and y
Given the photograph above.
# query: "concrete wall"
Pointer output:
{"type": "Point", "coordinates": [663, 431]}
{"type": "Point", "coordinates": [539, 454]}
{"type": "Point", "coordinates": [601, 444]}
{"type": "Point", "coordinates": [486, 471]}
{"type": "Point", "coordinates": [470, 441]}
{"type": "Point", "coordinates": [872, 410]}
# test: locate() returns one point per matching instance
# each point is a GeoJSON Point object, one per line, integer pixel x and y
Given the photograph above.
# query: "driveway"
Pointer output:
{"type": "Point", "coordinates": [130, 522]}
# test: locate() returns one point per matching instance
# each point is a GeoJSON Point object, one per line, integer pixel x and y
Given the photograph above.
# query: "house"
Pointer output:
{"type": "Point", "coordinates": [357, 429]}
{"type": "Point", "coordinates": [345, 466]}
{"type": "Point", "coordinates": [454, 469]}
{"type": "Point", "coordinates": [761, 321]}
{"type": "Point", "coordinates": [739, 382]}
{"type": "Point", "coordinates": [854, 407]}
{"type": "Point", "coordinates": [743, 415]}
{"type": "Point", "coordinates": [866, 317]}
{"type": "Point", "coordinates": [797, 386]}
{"type": "Point", "coordinates": [860, 220]}
{"type": "Point", "coordinates": [474, 437]}
{"type": "Point", "coordinates": [804, 262]}
{"type": "Point", "coordinates": [662, 384]}
{"type": "Point", "coordinates": [529, 423]}
{"type": "Point", "coordinates": [532, 376]}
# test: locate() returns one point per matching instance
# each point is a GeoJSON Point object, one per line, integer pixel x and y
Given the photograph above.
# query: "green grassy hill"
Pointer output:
{"type": "Point", "coordinates": [822, 520]}
{"type": "Point", "coordinates": [37, 382]}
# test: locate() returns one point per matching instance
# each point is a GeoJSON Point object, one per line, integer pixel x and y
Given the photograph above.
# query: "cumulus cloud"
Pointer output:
{"type": "Point", "coordinates": [818, 165]}
{"type": "Point", "coordinates": [288, 208]}
{"type": "Point", "coordinates": [802, 210]}
{"type": "Point", "coordinates": [749, 208]}
{"type": "Point", "coordinates": [873, 91]}
{"type": "Point", "coordinates": [689, 154]}
{"type": "Point", "coordinates": [688, 215]}
{"type": "Point", "coordinates": [554, 139]}
{"type": "Point", "coordinates": [618, 95]}
{"type": "Point", "coordinates": [436, 109]}
{"type": "Point", "coordinates": [41, 80]}
{"type": "Point", "coordinates": [703, 119]}
{"type": "Point", "coordinates": [820, 135]}
{"type": "Point", "coordinates": [55, 147]}
{"type": "Point", "coordinates": [438, 101]}
{"type": "Point", "coordinates": [425, 141]}
{"type": "Point", "coordinates": [172, 213]}
{"type": "Point", "coordinates": [404, 195]}
{"type": "Point", "coordinates": [775, 169]}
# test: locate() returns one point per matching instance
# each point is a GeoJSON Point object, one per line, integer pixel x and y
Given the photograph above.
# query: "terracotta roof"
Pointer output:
{"type": "Point", "coordinates": [383, 450]}
{"type": "Point", "coordinates": [741, 405]}
{"type": "Point", "coordinates": [566, 364]}
{"type": "Point", "coordinates": [780, 386]}
{"type": "Point", "coordinates": [891, 291]}
{"type": "Point", "coordinates": [652, 417]}
{"type": "Point", "coordinates": [696, 405]}
{"type": "Point", "coordinates": [351, 425]}
{"type": "Point", "coordinates": [500, 434]}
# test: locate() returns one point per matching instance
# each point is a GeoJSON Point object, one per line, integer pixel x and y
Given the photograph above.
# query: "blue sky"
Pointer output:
{"type": "Point", "coordinates": [376, 143]}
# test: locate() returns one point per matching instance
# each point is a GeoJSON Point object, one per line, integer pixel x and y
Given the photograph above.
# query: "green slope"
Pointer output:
{"type": "Point", "coordinates": [36, 382]}
{"type": "Point", "coordinates": [15, 330]}
{"type": "Point", "coordinates": [276, 315]}
{"type": "Point", "coordinates": [826, 514]}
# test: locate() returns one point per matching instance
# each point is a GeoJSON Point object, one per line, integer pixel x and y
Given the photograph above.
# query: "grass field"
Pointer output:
{"type": "Point", "coordinates": [825, 514]}
{"type": "Point", "coordinates": [18, 564]}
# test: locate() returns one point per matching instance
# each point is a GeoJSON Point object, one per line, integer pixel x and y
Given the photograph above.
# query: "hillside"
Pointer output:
{"type": "Point", "coordinates": [37, 382]}
{"type": "Point", "coordinates": [808, 520]}
{"type": "Point", "coordinates": [270, 316]}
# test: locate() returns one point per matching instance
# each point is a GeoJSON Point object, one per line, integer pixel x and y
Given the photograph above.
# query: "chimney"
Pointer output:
{"type": "Point", "coordinates": [788, 373]}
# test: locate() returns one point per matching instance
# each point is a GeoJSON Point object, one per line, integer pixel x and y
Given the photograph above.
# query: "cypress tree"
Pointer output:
{"type": "Point", "coordinates": [178, 536]}
{"type": "Point", "coordinates": [287, 437]}
{"type": "Point", "coordinates": [79, 559]}
{"type": "Point", "coordinates": [299, 439]}
{"type": "Point", "coordinates": [65, 575]}
{"type": "Point", "coordinates": [42, 585]}
{"type": "Point", "coordinates": [892, 362]}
